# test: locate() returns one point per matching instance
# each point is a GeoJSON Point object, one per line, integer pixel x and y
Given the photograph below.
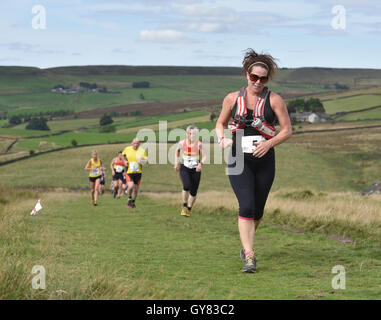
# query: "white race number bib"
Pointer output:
{"type": "Point", "coordinates": [95, 172]}
{"type": "Point", "coordinates": [190, 162]}
{"type": "Point", "coordinates": [134, 166]}
{"type": "Point", "coordinates": [248, 143]}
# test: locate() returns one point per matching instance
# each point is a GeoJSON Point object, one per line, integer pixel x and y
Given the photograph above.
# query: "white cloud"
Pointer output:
{"type": "Point", "coordinates": [29, 48]}
{"type": "Point", "coordinates": [207, 27]}
{"type": "Point", "coordinates": [161, 35]}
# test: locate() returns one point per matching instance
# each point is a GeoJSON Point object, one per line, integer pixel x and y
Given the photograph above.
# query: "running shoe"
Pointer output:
{"type": "Point", "coordinates": [130, 204]}
{"type": "Point", "coordinates": [250, 264]}
{"type": "Point", "coordinates": [185, 212]}
{"type": "Point", "coordinates": [242, 255]}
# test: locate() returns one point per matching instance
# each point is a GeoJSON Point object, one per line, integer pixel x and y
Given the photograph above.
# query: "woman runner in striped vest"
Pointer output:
{"type": "Point", "coordinates": [253, 111]}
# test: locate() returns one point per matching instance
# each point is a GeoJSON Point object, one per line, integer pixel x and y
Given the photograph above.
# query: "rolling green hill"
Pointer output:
{"type": "Point", "coordinates": [28, 90]}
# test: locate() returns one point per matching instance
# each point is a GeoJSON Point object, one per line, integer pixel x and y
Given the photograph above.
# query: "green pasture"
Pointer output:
{"type": "Point", "coordinates": [295, 165]}
{"type": "Point", "coordinates": [351, 103]}
{"type": "Point", "coordinates": [33, 95]}
{"type": "Point", "coordinates": [110, 252]}
{"type": "Point", "coordinates": [364, 115]}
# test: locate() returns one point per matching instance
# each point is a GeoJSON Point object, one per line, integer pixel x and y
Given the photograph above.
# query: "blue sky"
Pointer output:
{"type": "Point", "coordinates": [191, 33]}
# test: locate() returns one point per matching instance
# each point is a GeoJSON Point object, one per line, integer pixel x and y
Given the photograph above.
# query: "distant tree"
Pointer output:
{"type": "Point", "coordinates": [74, 143]}
{"type": "Point", "coordinates": [142, 96]}
{"type": "Point", "coordinates": [300, 105]}
{"type": "Point", "coordinates": [37, 124]}
{"type": "Point", "coordinates": [212, 116]}
{"type": "Point", "coordinates": [84, 85]}
{"type": "Point", "coordinates": [315, 105]}
{"type": "Point", "coordinates": [15, 120]}
{"type": "Point", "coordinates": [141, 84]}
{"type": "Point", "coordinates": [105, 120]}
{"type": "Point", "coordinates": [136, 113]}
{"type": "Point", "coordinates": [107, 129]}
{"type": "Point", "coordinates": [341, 86]}
{"type": "Point", "coordinates": [296, 105]}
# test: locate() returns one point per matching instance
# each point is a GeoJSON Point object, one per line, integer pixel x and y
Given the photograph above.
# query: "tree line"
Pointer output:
{"type": "Point", "coordinates": [300, 105]}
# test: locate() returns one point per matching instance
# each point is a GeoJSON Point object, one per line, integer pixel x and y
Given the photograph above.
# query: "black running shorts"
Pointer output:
{"type": "Point", "coordinates": [190, 179]}
{"type": "Point", "coordinates": [93, 179]}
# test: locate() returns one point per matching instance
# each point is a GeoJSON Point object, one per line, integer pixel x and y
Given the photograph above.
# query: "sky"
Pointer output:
{"type": "Point", "coordinates": [298, 33]}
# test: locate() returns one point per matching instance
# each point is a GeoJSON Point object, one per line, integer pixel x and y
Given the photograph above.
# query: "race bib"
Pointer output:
{"type": "Point", "coordinates": [190, 162]}
{"type": "Point", "coordinates": [248, 143]}
{"type": "Point", "coordinates": [134, 166]}
{"type": "Point", "coordinates": [95, 172]}
{"type": "Point", "coordinates": [119, 169]}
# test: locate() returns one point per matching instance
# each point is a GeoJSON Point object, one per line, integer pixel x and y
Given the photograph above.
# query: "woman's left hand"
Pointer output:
{"type": "Point", "coordinates": [262, 148]}
{"type": "Point", "coordinates": [198, 169]}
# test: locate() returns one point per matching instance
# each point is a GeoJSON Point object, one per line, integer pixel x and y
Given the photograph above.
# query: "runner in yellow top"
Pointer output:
{"type": "Point", "coordinates": [95, 166]}
{"type": "Point", "coordinates": [136, 157]}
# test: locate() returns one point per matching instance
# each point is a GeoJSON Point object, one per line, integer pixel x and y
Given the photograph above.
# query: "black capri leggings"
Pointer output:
{"type": "Point", "coordinates": [253, 185]}
{"type": "Point", "coordinates": [190, 179]}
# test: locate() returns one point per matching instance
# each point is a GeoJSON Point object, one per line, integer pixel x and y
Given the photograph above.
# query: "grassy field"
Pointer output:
{"type": "Point", "coordinates": [93, 123]}
{"type": "Point", "coordinates": [86, 131]}
{"type": "Point", "coordinates": [108, 252]}
{"type": "Point", "coordinates": [310, 160]}
{"type": "Point", "coordinates": [351, 103]}
{"type": "Point", "coordinates": [315, 217]}
{"type": "Point", "coordinates": [364, 115]}
{"type": "Point", "coordinates": [29, 91]}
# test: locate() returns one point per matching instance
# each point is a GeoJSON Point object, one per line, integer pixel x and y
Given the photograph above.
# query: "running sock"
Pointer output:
{"type": "Point", "coordinates": [189, 208]}
{"type": "Point", "coordinates": [249, 252]}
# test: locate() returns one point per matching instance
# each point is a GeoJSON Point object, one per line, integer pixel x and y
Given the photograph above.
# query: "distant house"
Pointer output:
{"type": "Point", "coordinates": [310, 117]}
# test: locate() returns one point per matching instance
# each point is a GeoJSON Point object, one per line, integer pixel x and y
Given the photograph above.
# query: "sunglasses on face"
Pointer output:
{"type": "Point", "coordinates": [255, 78]}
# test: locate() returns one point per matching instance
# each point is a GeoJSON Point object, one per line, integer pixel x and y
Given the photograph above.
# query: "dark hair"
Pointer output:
{"type": "Point", "coordinates": [264, 60]}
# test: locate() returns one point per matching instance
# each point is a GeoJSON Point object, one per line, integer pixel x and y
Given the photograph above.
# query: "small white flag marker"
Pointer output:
{"type": "Point", "coordinates": [37, 208]}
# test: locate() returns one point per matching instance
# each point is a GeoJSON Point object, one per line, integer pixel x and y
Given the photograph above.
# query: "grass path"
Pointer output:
{"type": "Point", "coordinates": [109, 252]}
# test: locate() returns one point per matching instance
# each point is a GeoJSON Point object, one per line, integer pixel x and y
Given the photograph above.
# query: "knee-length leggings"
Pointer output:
{"type": "Point", "coordinates": [253, 185]}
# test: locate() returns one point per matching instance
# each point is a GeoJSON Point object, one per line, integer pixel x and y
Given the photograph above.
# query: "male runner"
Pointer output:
{"type": "Point", "coordinates": [136, 157]}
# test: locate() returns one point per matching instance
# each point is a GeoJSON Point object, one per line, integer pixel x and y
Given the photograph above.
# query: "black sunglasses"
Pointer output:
{"type": "Point", "coordinates": [255, 78]}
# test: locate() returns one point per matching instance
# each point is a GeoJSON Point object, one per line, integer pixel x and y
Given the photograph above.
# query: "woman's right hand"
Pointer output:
{"type": "Point", "coordinates": [176, 167]}
{"type": "Point", "coordinates": [226, 142]}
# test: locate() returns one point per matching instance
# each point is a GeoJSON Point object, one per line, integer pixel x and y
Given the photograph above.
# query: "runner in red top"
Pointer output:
{"type": "Point", "coordinates": [118, 166]}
